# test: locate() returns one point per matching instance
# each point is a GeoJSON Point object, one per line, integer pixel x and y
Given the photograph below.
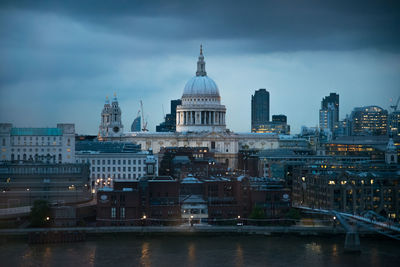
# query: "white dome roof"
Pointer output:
{"type": "Point", "coordinates": [201, 86]}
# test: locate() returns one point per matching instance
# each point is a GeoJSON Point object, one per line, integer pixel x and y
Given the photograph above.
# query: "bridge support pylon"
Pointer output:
{"type": "Point", "coordinates": [352, 242]}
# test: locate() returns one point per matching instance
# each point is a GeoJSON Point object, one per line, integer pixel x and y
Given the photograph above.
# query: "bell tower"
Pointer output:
{"type": "Point", "coordinates": [111, 125]}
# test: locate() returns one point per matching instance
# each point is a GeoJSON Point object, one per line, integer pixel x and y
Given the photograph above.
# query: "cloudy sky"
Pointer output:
{"type": "Point", "coordinates": [60, 59]}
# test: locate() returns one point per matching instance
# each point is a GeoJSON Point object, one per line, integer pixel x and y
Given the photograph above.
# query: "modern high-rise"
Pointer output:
{"type": "Point", "coordinates": [169, 124]}
{"type": "Point", "coordinates": [136, 125]}
{"type": "Point", "coordinates": [369, 120]}
{"type": "Point", "coordinates": [394, 123]}
{"type": "Point", "coordinates": [259, 109]}
{"type": "Point", "coordinates": [329, 112]}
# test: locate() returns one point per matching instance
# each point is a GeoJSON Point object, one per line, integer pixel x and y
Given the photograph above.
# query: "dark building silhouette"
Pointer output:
{"type": "Point", "coordinates": [279, 118]}
{"type": "Point", "coordinates": [259, 109]}
{"type": "Point", "coordinates": [169, 125]}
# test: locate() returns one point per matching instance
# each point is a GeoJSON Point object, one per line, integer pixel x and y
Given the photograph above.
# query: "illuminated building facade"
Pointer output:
{"type": "Point", "coordinates": [394, 123]}
{"type": "Point", "coordinates": [348, 187]}
{"type": "Point", "coordinates": [370, 120]}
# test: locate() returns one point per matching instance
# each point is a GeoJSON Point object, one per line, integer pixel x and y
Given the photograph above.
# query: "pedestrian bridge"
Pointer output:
{"type": "Point", "coordinates": [351, 222]}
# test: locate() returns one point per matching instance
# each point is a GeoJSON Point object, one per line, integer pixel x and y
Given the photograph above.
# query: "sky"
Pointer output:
{"type": "Point", "coordinates": [60, 59]}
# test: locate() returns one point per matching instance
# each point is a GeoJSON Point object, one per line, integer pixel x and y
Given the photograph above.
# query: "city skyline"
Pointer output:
{"type": "Point", "coordinates": [63, 60]}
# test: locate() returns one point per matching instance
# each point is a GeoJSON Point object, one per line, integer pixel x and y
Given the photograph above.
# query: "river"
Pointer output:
{"type": "Point", "coordinates": [130, 250]}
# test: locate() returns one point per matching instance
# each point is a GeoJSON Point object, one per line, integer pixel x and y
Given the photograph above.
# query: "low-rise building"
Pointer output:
{"type": "Point", "coordinates": [349, 187]}
{"type": "Point", "coordinates": [112, 160]}
{"type": "Point", "coordinates": [54, 145]}
{"type": "Point", "coordinates": [22, 184]}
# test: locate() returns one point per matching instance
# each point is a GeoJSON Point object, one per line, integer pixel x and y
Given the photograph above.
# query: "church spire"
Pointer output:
{"type": "Point", "coordinates": [201, 64]}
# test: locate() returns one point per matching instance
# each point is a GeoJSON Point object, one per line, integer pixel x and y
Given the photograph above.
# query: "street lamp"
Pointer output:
{"type": "Point", "coordinates": [29, 195]}
{"type": "Point", "coordinates": [191, 220]}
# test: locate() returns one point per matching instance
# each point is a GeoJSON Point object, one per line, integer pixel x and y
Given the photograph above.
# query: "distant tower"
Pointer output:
{"type": "Point", "coordinates": [259, 109]}
{"type": "Point", "coordinates": [391, 153]}
{"type": "Point", "coordinates": [136, 125]}
{"type": "Point", "coordinates": [111, 125]}
{"type": "Point", "coordinates": [329, 112]}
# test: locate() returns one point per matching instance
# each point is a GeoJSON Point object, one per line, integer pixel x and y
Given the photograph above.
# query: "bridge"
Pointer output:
{"type": "Point", "coordinates": [351, 222]}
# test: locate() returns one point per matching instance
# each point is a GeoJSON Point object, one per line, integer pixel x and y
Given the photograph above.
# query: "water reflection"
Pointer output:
{"type": "Point", "coordinates": [145, 258]}
{"type": "Point", "coordinates": [314, 247]}
{"type": "Point", "coordinates": [239, 255]}
{"type": "Point", "coordinates": [191, 254]}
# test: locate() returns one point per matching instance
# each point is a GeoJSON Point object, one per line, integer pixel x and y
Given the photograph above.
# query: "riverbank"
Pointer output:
{"type": "Point", "coordinates": [186, 230]}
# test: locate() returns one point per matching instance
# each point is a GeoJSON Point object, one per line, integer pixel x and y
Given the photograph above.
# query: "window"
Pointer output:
{"type": "Point", "coordinates": [98, 162]}
{"type": "Point", "coordinates": [4, 141]}
{"type": "Point", "coordinates": [124, 162]}
{"type": "Point", "coordinates": [122, 213]}
{"type": "Point", "coordinates": [114, 161]}
{"type": "Point", "coordinates": [104, 161]}
{"type": "Point", "coordinates": [212, 144]}
{"type": "Point", "coordinates": [113, 213]}
{"type": "Point", "coordinates": [129, 161]}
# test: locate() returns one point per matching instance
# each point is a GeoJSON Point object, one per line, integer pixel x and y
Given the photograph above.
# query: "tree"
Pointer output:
{"type": "Point", "coordinates": [257, 213]}
{"type": "Point", "coordinates": [40, 213]}
{"type": "Point", "coordinates": [293, 214]}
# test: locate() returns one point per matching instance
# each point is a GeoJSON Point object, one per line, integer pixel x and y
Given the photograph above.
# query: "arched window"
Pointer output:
{"type": "Point", "coordinates": [59, 158]}
{"type": "Point", "coordinates": [392, 158]}
{"type": "Point", "coordinates": [68, 142]}
{"type": "Point", "coordinates": [24, 157]}
{"type": "Point", "coordinates": [12, 157]}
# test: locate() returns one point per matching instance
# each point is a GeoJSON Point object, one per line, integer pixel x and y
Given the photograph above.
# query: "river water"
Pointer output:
{"type": "Point", "coordinates": [118, 251]}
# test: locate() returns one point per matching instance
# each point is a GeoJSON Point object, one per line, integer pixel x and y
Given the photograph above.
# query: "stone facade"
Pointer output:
{"type": "Point", "coordinates": [53, 145]}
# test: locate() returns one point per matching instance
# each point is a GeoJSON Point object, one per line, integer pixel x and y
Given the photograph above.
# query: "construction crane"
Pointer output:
{"type": "Point", "coordinates": [394, 107]}
{"type": "Point", "coordinates": [144, 129]}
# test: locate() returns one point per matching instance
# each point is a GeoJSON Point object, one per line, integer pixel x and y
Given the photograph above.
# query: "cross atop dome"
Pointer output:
{"type": "Point", "coordinates": [201, 64]}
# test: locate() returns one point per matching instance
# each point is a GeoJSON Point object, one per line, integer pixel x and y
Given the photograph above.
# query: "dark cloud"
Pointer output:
{"type": "Point", "coordinates": [267, 25]}
{"type": "Point", "coordinates": [59, 59]}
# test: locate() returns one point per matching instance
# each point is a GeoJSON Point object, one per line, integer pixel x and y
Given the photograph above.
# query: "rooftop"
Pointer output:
{"type": "Point", "coordinates": [36, 131]}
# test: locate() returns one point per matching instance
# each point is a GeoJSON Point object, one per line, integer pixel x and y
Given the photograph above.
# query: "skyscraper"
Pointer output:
{"type": "Point", "coordinates": [169, 124]}
{"type": "Point", "coordinates": [259, 109]}
{"type": "Point", "coordinates": [329, 112]}
{"type": "Point", "coordinates": [136, 124]}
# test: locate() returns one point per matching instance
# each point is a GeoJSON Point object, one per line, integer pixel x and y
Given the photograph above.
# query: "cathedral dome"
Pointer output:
{"type": "Point", "coordinates": [200, 86]}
